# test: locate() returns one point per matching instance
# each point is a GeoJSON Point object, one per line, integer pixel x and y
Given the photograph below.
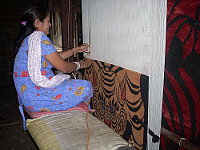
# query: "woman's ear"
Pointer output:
{"type": "Point", "coordinates": [37, 23]}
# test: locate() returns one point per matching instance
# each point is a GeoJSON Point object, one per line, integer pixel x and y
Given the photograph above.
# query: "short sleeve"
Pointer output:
{"type": "Point", "coordinates": [47, 46]}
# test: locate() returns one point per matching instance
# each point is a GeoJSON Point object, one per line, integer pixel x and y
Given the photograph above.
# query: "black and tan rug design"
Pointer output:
{"type": "Point", "coordinates": [120, 100]}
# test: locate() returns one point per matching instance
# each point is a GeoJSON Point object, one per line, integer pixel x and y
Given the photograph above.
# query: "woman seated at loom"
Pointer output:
{"type": "Point", "coordinates": [37, 87]}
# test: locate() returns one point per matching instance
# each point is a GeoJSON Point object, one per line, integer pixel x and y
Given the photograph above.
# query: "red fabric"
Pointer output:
{"type": "Point", "coordinates": [36, 114]}
{"type": "Point", "coordinates": [181, 99]}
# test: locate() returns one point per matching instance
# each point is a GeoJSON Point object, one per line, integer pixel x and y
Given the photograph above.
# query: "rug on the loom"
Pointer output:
{"type": "Point", "coordinates": [120, 100]}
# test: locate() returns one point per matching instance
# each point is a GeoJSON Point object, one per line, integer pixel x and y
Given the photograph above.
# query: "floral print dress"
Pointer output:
{"type": "Point", "coordinates": [35, 98]}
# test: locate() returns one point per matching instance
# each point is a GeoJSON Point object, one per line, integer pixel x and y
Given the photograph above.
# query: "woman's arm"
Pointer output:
{"type": "Point", "coordinates": [60, 64]}
{"type": "Point", "coordinates": [57, 59]}
{"type": "Point", "coordinates": [68, 53]}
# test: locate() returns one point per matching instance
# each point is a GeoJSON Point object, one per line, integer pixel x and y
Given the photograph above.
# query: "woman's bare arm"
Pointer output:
{"type": "Point", "coordinates": [60, 64]}
{"type": "Point", "coordinates": [68, 53]}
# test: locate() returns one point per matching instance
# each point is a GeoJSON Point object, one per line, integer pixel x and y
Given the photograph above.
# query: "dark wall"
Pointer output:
{"type": "Point", "coordinates": [10, 12]}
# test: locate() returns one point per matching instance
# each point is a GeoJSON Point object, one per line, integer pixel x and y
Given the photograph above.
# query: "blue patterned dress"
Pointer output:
{"type": "Point", "coordinates": [61, 97]}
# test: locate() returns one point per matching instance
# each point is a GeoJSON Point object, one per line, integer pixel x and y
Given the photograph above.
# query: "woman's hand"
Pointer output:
{"type": "Point", "coordinates": [81, 48]}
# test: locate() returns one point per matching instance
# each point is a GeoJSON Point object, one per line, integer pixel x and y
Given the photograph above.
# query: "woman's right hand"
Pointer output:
{"type": "Point", "coordinates": [82, 48]}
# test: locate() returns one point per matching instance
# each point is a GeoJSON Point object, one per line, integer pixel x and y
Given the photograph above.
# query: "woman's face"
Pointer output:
{"type": "Point", "coordinates": [45, 25]}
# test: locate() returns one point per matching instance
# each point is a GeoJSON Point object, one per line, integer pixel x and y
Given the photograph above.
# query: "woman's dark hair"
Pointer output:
{"type": "Point", "coordinates": [27, 20]}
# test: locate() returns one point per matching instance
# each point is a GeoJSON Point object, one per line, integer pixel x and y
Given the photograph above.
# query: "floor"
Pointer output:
{"type": "Point", "coordinates": [12, 137]}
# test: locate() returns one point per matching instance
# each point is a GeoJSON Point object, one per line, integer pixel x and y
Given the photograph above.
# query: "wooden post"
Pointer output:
{"type": "Point", "coordinates": [67, 25]}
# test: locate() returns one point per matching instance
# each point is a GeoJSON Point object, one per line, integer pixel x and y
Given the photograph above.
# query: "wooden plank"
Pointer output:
{"type": "Point", "coordinates": [182, 142]}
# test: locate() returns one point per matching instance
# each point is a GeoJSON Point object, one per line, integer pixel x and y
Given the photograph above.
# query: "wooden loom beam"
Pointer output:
{"type": "Point", "coordinates": [182, 142]}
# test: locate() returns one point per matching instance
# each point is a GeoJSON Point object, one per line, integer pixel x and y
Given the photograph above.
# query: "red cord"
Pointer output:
{"type": "Point", "coordinates": [88, 131]}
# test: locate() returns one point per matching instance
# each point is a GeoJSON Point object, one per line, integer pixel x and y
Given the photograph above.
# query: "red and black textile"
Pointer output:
{"type": "Point", "coordinates": [181, 99]}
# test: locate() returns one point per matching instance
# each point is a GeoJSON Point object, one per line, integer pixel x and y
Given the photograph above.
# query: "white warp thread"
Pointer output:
{"type": "Point", "coordinates": [34, 63]}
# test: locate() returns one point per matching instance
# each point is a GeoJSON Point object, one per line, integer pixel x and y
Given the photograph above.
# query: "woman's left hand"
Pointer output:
{"type": "Point", "coordinates": [81, 48]}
